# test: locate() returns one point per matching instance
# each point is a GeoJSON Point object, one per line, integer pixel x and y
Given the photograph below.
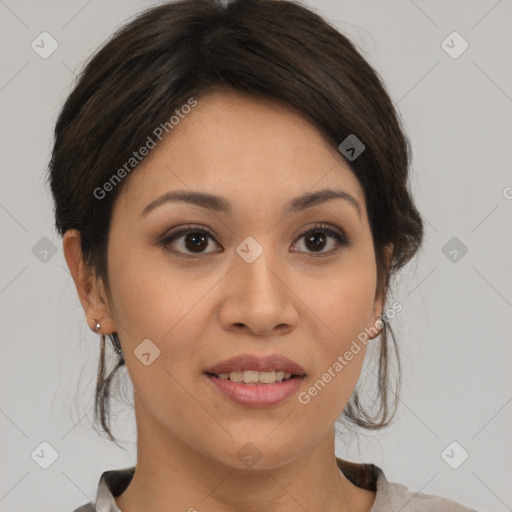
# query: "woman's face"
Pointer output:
{"type": "Point", "coordinates": [253, 286]}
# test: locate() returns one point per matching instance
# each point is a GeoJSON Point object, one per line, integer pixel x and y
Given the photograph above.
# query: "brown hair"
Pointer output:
{"type": "Point", "coordinates": [274, 49]}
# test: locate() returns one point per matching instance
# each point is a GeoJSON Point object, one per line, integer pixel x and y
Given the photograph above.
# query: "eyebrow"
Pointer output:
{"type": "Point", "coordinates": [219, 204]}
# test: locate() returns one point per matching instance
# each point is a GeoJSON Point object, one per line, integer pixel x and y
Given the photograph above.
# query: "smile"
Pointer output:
{"type": "Point", "coordinates": [253, 377]}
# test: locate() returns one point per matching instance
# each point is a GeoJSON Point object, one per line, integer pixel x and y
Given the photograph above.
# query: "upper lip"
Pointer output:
{"type": "Point", "coordinates": [257, 363]}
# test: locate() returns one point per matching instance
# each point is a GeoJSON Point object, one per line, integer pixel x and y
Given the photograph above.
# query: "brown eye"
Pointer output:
{"type": "Point", "coordinates": [190, 240]}
{"type": "Point", "coordinates": [196, 241]}
{"type": "Point", "coordinates": [316, 239]}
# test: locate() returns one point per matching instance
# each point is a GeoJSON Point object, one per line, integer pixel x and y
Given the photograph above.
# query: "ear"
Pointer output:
{"type": "Point", "coordinates": [380, 296]}
{"type": "Point", "coordinates": [90, 288]}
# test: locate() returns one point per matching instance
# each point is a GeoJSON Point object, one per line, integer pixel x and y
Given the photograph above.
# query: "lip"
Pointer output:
{"type": "Point", "coordinates": [257, 395]}
{"type": "Point", "coordinates": [257, 363]}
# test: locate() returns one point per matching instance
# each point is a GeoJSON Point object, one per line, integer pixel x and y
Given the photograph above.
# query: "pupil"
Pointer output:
{"type": "Point", "coordinates": [314, 237]}
{"type": "Point", "coordinates": [195, 237]}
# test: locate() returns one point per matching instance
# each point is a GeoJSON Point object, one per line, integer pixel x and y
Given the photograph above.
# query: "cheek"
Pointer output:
{"type": "Point", "coordinates": [341, 304]}
{"type": "Point", "coordinates": [169, 308]}
{"type": "Point", "coordinates": [162, 308]}
{"type": "Point", "coordinates": [152, 304]}
{"type": "Point", "coordinates": [342, 310]}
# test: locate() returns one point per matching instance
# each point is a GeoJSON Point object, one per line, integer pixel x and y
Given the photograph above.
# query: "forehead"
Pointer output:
{"type": "Point", "coordinates": [252, 150]}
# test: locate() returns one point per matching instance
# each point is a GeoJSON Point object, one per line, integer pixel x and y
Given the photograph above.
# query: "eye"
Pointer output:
{"type": "Point", "coordinates": [316, 238]}
{"type": "Point", "coordinates": [194, 240]}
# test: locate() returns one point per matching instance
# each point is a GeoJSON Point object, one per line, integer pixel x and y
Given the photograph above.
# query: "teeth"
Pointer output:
{"type": "Point", "coordinates": [252, 377]}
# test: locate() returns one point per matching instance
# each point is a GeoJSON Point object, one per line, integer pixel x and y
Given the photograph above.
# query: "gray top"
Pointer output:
{"type": "Point", "coordinates": [390, 497]}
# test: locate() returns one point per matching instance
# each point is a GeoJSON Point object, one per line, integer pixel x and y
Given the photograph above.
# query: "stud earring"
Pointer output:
{"type": "Point", "coordinates": [98, 325]}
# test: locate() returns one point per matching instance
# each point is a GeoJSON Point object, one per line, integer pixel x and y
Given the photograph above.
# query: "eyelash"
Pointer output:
{"type": "Point", "coordinates": [340, 237]}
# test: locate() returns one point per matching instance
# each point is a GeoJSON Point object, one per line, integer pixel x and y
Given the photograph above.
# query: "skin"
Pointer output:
{"type": "Point", "coordinates": [202, 310]}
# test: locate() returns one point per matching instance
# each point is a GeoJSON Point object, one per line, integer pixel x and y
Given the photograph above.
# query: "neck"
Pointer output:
{"type": "Point", "coordinates": [171, 475]}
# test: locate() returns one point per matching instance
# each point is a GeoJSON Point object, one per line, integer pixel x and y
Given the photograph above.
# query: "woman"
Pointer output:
{"type": "Point", "coordinates": [231, 185]}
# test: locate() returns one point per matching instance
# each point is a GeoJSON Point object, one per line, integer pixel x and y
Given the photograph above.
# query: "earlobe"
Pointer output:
{"type": "Point", "coordinates": [89, 287]}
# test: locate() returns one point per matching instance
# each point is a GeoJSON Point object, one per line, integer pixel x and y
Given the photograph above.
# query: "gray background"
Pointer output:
{"type": "Point", "coordinates": [454, 330]}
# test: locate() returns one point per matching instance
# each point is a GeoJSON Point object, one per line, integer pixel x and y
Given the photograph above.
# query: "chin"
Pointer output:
{"type": "Point", "coordinates": [258, 452]}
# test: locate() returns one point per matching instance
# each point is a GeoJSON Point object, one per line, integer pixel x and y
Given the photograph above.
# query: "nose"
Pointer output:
{"type": "Point", "coordinates": [258, 299]}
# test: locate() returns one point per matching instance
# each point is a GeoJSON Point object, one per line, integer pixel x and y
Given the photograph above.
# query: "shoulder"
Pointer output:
{"type": "Point", "coordinates": [393, 497]}
{"type": "Point", "coordinates": [111, 483]}
{"type": "Point", "coordinates": [397, 497]}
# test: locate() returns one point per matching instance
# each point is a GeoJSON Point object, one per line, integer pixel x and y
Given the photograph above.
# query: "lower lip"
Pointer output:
{"type": "Point", "coordinates": [257, 395]}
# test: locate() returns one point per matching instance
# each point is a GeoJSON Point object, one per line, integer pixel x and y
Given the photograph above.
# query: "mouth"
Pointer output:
{"type": "Point", "coordinates": [255, 377]}
{"type": "Point", "coordinates": [256, 381]}
{"type": "Point", "coordinates": [252, 369]}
